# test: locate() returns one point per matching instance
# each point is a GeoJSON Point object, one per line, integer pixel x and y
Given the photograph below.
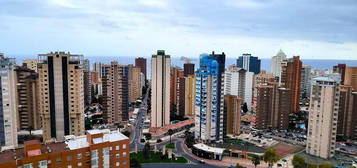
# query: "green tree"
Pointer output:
{"type": "Point", "coordinates": [256, 160]}
{"type": "Point", "coordinates": [325, 165]}
{"type": "Point", "coordinates": [311, 165]}
{"type": "Point", "coordinates": [298, 161]}
{"type": "Point", "coordinates": [189, 140]}
{"type": "Point", "coordinates": [146, 151]}
{"type": "Point", "coordinates": [134, 163]}
{"type": "Point", "coordinates": [239, 166]}
{"type": "Point", "coordinates": [270, 156]}
{"type": "Point", "coordinates": [170, 132]}
{"type": "Point", "coordinates": [126, 133]}
{"type": "Point", "coordinates": [245, 107]}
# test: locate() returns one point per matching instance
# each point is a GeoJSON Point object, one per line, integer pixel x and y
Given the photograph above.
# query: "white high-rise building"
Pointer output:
{"type": "Point", "coordinates": [239, 82]}
{"type": "Point", "coordinates": [160, 89]}
{"type": "Point", "coordinates": [323, 113]}
{"type": "Point", "coordinates": [276, 63]}
{"type": "Point", "coordinates": [8, 109]}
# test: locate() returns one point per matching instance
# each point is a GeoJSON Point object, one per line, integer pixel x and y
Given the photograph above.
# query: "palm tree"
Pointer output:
{"type": "Point", "coordinates": [256, 160]}
{"type": "Point", "coordinates": [270, 156]}
{"type": "Point", "coordinates": [170, 132]}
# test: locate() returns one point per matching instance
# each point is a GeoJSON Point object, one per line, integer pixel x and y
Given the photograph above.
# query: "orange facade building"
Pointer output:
{"type": "Point", "coordinates": [99, 148]}
{"type": "Point", "coordinates": [291, 79]}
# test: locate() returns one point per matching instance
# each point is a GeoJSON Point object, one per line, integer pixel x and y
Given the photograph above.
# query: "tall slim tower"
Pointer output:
{"type": "Point", "coordinates": [276, 63]}
{"type": "Point", "coordinates": [160, 89]}
{"type": "Point", "coordinates": [61, 98]}
{"type": "Point", "coordinates": [115, 93]}
{"type": "Point", "coordinates": [323, 115]}
{"type": "Point", "coordinates": [209, 97]}
{"type": "Point", "coordinates": [8, 106]}
{"type": "Point", "coordinates": [305, 89]}
{"type": "Point", "coordinates": [87, 82]}
{"type": "Point", "coordinates": [291, 79]}
{"type": "Point", "coordinates": [190, 97]}
{"type": "Point", "coordinates": [135, 86]}
{"type": "Point", "coordinates": [27, 96]}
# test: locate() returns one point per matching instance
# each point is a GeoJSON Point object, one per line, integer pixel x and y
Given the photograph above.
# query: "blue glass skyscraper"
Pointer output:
{"type": "Point", "coordinates": [249, 63]}
{"type": "Point", "coordinates": [209, 97]}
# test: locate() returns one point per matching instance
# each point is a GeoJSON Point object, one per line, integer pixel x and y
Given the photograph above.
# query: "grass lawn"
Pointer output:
{"type": "Point", "coordinates": [156, 158]}
{"type": "Point", "coordinates": [170, 146]}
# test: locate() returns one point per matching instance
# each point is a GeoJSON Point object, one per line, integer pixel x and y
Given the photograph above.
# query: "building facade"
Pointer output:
{"type": "Point", "coordinates": [190, 95]}
{"type": "Point", "coordinates": [273, 107]}
{"type": "Point", "coordinates": [115, 93]}
{"type": "Point", "coordinates": [61, 98]}
{"type": "Point", "coordinates": [188, 69]}
{"type": "Point", "coordinates": [351, 77]}
{"type": "Point", "coordinates": [31, 64]}
{"type": "Point", "coordinates": [160, 89]}
{"type": "Point", "coordinates": [209, 107]}
{"type": "Point", "coordinates": [232, 109]}
{"type": "Point", "coordinates": [323, 115]}
{"type": "Point", "coordinates": [239, 82]}
{"type": "Point", "coordinates": [276, 63]}
{"type": "Point", "coordinates": [347, 114]}
{"type": "Point", "coordinates": [27, 98]}
{"type": "Point", "coordinates": [305, 81]}
{"type": "Point", "coordinates": [291, 79]}
{"type": "Point", "coordinates": [249, 63]}
{"type": "Point", "coordinates": [8, 105]}
{"type": "Point", "coordinates": [135, 88]}
{"type": "Point", "coordinates": [96, 149]}
{"type": "Point", "coordinates": [175, 75]}
{"type": "Point", "coordinates": [141, 62]}
{"type": "Point", "coordinates": [97, 69]}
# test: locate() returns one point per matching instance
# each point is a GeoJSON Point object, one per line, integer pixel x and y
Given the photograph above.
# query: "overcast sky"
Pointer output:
{"type": "Point", "coordinates": [320, 29]}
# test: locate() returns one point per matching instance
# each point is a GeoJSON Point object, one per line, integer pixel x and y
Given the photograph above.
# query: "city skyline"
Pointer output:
{"type": "Point", "coordinates": [310, 29]}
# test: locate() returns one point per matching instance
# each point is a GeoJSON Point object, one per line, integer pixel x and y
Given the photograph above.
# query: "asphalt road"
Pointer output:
{"type": "Point", "coordinates": [137, 131]}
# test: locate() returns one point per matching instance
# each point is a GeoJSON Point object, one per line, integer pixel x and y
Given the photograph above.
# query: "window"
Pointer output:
{"type": "Point", "coordinates": [124, 154]}
{"type": "Point", "coordinates": [58, 160]}
{"type": "Point", "coordinates": [116, 147]}
{"type": "Point", "coordinates": [79, 164]}
{"type": "Point", "coordinates": [117, 164]}
{"type": "Point", "coordinates": [117, 156]}
{"type": "Point", "coordinates": [42, 164]}
{"type": "Point", "coordinates": [79, 156]}
{"type": "Point", "coordinates": [27, 165]}
{"type": "Point", "coordinates": [124, 146]}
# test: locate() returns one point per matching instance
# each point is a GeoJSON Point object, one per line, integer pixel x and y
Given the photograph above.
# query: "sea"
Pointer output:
{"type": "Point", "coordinates": [318, 64]}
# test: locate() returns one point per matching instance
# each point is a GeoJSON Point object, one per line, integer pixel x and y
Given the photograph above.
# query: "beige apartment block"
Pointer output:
{"type": "Point", "coordinates": [323, 115]}
{"type": "Point", "coordinates": [160, 89]}
{"type": "Point", "coordinates": [61, 97]}
{"type": "Point", "coordinates": [232, 107]}
{"type": "Point", "coordinates": [190, 95]}
{"type": "Point", "coordinates": [135, 88]}
{"type": "Point", "coordinates": [31, 64]}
